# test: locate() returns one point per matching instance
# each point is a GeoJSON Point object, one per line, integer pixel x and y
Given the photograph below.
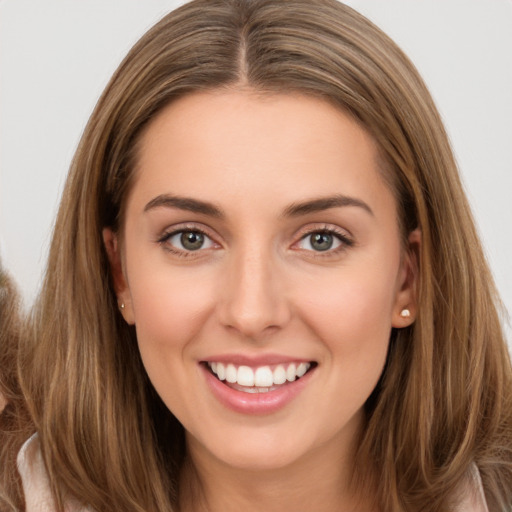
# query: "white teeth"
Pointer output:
{"type": "Point", "coordinates": [221, 371]}
{"type": "Point", "coordinates": [261, 378]}
{"type": "Point", "coordinates": [279, 375]}
{"type": "Point", "coordinates": [231, 373]}
{"type": "Point", "coordinates": [245, 376]}
{"type": "Point", "coordinates": [302, 369]}
{"type": "Point", "coordinates": [290, 373]}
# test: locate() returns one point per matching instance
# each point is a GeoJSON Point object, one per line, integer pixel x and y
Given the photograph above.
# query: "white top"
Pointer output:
{"type": "Point", "coordinates": [36, 485]}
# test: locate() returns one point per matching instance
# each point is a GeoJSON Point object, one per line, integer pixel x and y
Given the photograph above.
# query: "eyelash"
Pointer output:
{"type": "Point", "coordinates": [345, 241]}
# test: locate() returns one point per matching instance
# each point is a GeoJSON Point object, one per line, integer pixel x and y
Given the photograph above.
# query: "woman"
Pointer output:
{"type": "Point", "coordinates": [265, 289]}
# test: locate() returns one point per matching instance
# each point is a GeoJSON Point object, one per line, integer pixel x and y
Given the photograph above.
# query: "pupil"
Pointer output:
{"type": "Point", "coordinates": [321, 241]}
{"type": "Point", "coordinates": [192, 240]}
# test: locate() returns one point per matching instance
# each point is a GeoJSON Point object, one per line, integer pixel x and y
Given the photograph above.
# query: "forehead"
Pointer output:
{"type": "Point", "coordinates": [239, 144]}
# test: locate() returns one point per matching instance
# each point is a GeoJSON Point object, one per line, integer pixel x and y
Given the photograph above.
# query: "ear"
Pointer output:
{"type": "Point", "coordinates": [121, 288]}
{"type": "Point", "coordinates": [406, 302]}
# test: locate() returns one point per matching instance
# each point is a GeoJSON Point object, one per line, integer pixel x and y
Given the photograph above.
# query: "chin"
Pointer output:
{"type": "Point", "coordinates": [258, 460]}
{"type": "Point", "coordinates": [256, 450]}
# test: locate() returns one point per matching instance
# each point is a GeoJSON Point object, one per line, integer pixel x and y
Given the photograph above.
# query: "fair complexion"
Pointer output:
{"type": "Point", "coordinates": [260, 233]}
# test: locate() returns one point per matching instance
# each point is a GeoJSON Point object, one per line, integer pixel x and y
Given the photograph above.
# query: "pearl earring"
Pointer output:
{"type": "Point", "coordinates": [121, 306]}
{"type": "Point", "coordinates": [405, 313]}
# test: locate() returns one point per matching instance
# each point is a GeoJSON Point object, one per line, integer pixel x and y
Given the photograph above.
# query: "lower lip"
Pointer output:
{"type": "Point", "coordinates": [255, 403]}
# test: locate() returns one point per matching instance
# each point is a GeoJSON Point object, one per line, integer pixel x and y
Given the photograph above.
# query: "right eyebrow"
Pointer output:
{"type": "Point", "coordinates": [325, 203]}
{"type": "Point", "coordinates": [184, 203]}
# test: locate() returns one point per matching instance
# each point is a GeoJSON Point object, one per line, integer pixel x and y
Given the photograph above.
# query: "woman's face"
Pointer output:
{"type": "Point", "coordinates": [260, 242]}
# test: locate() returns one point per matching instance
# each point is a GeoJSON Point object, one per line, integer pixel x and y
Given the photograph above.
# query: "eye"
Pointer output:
{"type": "Point", "coordinates": [189, 240]}
{"type": "Point", "coordinates": [322, 241]}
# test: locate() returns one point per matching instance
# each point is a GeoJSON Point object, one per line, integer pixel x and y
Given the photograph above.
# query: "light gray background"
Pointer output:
{"type": "Point", "coordinates": [56, 56]}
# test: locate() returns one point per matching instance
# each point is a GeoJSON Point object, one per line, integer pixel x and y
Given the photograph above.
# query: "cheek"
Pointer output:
{"type": "Point", "coordinates": [352, 319]}
{"type": "Point", "coordinates": [351, 311]}
{"type": "Point", "coordinates": [169, 308]}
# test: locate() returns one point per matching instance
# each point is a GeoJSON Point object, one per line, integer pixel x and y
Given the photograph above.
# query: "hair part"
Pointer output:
{"type": "Point", "coordinates": [85, 383]}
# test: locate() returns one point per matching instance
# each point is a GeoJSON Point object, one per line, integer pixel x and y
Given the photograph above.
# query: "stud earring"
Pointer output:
{"type": "Point", "coordinates": [121, 306]}
{"type": "Point", "coordinates": [405, 313]}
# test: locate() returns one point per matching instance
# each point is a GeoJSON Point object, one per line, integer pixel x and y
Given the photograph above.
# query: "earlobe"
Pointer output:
{"type": "Point", "coordinates": [406, 307]}
{"type": "Point", "coordinates": [110, 239]}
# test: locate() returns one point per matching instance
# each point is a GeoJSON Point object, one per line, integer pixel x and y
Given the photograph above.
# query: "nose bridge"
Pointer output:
{"type": "Point", "coordinates": [254, 301]}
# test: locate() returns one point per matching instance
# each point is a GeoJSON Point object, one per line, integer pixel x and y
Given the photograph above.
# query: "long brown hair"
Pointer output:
{"type": "Point", "coordinates": [444, 400]}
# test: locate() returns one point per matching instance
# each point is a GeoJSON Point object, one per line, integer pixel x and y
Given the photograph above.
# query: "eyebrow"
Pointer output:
{"type": "Point", "coordinates": [325, 203]}
{"type": "Point", "coordinates": [184, 203]}
{"type": "Point", "coordinates": [294, 210]}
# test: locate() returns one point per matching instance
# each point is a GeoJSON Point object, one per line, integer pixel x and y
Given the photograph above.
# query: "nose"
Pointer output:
{"type": "Point", "coordinates": [253, 301]}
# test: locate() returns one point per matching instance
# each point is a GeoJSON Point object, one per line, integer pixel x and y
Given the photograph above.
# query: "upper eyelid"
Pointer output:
{"type": "Point", "coordinates": [179, 228]}
{"type": "Point", "coordinates": [324, 227]}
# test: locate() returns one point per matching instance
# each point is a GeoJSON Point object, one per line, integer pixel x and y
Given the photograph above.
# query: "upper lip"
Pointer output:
{"type": "Point", "coordinates": [254, 361]}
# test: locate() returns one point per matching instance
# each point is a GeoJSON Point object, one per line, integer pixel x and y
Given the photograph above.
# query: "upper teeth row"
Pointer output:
{"type": "Point", "coordinates": [262, 376]}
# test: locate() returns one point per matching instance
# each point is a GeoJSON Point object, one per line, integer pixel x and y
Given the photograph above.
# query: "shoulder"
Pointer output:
{"type": "Point", "coordinates": [470, 496]}
{"type": "Point", "coordinates": [36, 484]}
{"type": "Point", "coordinates": [38, 497]}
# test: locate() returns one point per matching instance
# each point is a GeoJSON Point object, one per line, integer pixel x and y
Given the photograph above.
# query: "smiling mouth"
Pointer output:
{"type": "Point", "coordinates": [261, 379]}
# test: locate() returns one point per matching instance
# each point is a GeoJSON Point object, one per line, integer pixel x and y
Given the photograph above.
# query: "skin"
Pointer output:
{"type": "Point", "coordinates": [259, 287]}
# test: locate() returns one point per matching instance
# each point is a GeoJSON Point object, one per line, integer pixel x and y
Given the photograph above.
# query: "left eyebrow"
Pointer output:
{"type": "Point", "coordinates": [325, 203]}
{"type": "Point", "coordinates": [184, 203]}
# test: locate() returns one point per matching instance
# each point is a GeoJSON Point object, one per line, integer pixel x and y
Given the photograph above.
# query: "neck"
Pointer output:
{"type": "Point", "coordinates": [315, 482]}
